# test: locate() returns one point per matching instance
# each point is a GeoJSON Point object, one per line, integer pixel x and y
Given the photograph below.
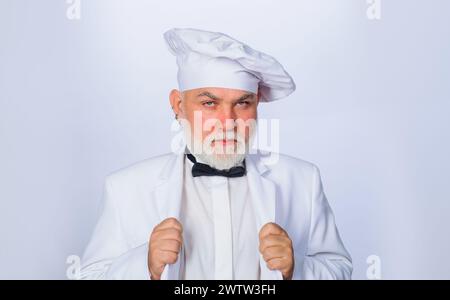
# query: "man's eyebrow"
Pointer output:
{"type": "Point", "coordinates": [246, 96]}
{"type": "Point", "coordinates": [208, 94]}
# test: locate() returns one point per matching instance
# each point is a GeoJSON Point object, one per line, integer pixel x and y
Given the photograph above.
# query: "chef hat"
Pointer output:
{"type": "Point", "coordinates": [214, 59]}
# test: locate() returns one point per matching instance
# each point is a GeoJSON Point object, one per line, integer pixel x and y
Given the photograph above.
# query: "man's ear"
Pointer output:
{"type": "Point", "coordinates": [175, 99]}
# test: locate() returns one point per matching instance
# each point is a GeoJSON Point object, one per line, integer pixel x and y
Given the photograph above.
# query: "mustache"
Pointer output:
{"type": "Point", "coordinates": [227, 135]}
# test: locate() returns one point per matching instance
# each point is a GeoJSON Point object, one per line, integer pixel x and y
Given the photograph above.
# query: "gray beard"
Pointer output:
{"type": "Point", "coordinates": [219, 160]}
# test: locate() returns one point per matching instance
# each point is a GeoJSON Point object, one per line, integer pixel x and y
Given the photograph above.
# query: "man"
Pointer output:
{"type": "Point", "coordinates": [217, 211]}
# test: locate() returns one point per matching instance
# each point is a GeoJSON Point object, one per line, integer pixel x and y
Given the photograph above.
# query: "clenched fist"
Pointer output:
{"type": "Point", "coordinates": [276, 249]}
{"type": "Point", "coordinates": [165, 244]}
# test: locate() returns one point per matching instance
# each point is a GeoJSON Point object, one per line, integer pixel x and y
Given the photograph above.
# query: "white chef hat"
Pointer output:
{"type": "Point", "coordinates": [214, 59]}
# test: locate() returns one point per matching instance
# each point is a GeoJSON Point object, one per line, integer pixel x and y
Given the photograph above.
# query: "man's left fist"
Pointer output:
{"type": "Point", "coordinates": [276, 249]}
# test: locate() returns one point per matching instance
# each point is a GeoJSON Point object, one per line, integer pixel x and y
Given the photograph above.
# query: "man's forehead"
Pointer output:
{"type": "Point", "coordinates": [219, 93]}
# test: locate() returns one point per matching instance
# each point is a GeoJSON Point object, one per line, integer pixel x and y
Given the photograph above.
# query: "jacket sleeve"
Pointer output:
{"type": "Point", "coordinates": [107, 255]}
{"type": "Point", "coordinates": [326, 256]}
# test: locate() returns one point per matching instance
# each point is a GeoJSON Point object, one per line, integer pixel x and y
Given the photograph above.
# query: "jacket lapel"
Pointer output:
{"type": "Point", "coordinates": [263, 197]}
{"type": "Point", "coordinates": [168, 194]}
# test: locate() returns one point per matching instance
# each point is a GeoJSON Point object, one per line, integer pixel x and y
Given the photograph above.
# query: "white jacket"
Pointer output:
{"type": "Point", "coordinates": [139, 197]}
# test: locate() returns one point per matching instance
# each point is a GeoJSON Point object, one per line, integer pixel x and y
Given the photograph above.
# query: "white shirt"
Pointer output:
{"type": "Point", "coordinates": [220, 236]}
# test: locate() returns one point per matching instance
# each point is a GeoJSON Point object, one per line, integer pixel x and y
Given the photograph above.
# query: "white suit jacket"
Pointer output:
{"type": "Point", "coordinates": [139, 197]}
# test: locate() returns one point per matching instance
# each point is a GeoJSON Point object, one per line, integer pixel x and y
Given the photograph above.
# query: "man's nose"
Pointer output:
{"type": "Point", "coordinates": [226, 118]}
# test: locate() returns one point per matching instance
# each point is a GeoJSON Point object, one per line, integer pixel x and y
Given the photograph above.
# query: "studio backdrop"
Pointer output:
{"type": "Point", "coordinates": [84, 88]}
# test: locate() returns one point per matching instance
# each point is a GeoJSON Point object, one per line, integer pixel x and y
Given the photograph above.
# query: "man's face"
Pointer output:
{"type": "Point", "coordinates": [226, 117]}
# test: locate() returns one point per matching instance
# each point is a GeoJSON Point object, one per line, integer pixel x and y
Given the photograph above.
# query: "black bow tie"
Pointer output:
{"type": "Point", "coordinates": [199, 169]}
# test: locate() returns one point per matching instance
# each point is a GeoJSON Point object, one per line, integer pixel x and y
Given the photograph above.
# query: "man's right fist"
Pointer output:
{"type": "Point", "coordinates": [165, 244]}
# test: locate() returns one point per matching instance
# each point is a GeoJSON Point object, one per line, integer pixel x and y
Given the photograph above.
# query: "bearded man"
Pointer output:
{"type": "Point", "coordinates": [216, 210]}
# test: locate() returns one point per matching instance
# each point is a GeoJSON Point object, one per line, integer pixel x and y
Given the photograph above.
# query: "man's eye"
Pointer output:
{"type": "Point", "coordinates": [209, 103]}
{"type": "Point", "coordinates": [243, 103]}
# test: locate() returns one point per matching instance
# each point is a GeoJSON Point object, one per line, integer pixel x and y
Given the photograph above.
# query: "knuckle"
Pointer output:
{"type": "Point", "coordinates": [272, 265]}
{"type": "Point", "coordinates": [172, 258]}
{"type": "Point", "coordinates": [173, 245]}
{"type": "Point", "coordinates": [290, 252]}
{"type": "Point", "coordinates": [168, 233]}
{"type": "Point", "coordinates": [154, 236]}
{"type": "Point", "coordinates": [261, 247]}
{"type": "Point", "coordinates": [172, 222]}
{"type": "Point", "coordinates": [173, 234]}
{"type": "Point", "coordinates": [155, 257]}
{"type": "Point", "coordinates": [266, 255]}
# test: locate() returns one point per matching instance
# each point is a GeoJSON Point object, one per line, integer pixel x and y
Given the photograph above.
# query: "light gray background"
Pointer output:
{"type": "Point", "coordinates": [82, 98]}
